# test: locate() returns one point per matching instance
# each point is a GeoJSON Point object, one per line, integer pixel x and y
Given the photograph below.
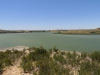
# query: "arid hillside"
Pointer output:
{"type": "Point", "coordinates": [39, 61]}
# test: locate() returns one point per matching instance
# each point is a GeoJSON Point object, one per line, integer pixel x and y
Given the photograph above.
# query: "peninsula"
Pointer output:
{"type": "Point", "coordinates": [78, 31]}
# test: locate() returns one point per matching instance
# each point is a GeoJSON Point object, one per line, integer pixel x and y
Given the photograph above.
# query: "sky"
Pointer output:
{"type": "Point", "coordinates": [49, 14]}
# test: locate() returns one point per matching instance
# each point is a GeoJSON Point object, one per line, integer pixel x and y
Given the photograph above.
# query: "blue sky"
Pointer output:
{"type": "Point", "coordinates": [49, 14]}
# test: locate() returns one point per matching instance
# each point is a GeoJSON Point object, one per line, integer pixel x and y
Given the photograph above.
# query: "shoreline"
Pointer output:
{"type": "Point", "coordinates": [19, 48]}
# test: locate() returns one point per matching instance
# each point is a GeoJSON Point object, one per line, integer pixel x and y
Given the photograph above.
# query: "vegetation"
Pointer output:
{"type": "Point", "coordinates": [79, 32]}
{"type": "Point", "coordinates": [8, 58]}
{"type": "Point", "coordinates": [21, 31]}
{"type": "Point", "coordinates": [40, 61]}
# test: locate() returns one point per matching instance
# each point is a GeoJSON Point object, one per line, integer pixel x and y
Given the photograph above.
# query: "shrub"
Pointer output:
{"type": "Point", "coordinates": [45, 67]}
{"type": "Point", "coordinates": [39, 54]}
{"type": "Point", "coordinates": [7, 62]}
{"type": "Point", "coordinates": [85, 68]}
{"type": "Point", "coordinates": [97, 71]}
{"type": "Point", "coordinates": [95, 56]}
{"type": "Point", "coordinates": [60, 58]}
{"type": "Point", "coordinates": [71, 55]}
{"type": "Point", "coordinates": [26, 64]}
{"type": "Point", "coordinates": [83, 55]}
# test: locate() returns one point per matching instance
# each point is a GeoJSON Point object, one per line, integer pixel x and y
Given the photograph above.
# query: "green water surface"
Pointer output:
{"type": "Point", "coordinates": [49, 40]}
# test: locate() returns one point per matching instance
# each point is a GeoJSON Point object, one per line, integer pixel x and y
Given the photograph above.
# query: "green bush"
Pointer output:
{"type": "Point", "coordinates": [86, 68]}
{"type": "Point", "coordinates": [83, 55]}
{"type": "Point", "coordinates": [7, 62]}
{"type": "Point", "coordinates": [26, 64]}
{"type": "Point", "coordinates": [44, 67]}
{"type": "Point", "coordinates": [51, 67]}
{"type": "Point", "coordinates": [27, 67]}
{"type": "Point", "coordinates": [95, 56]}
{"type": "Point", "coordinates": [96, 70]}
{"type": "Point", "coordinates": [39, 54]}
{"type": "Point", "coordinates": [71, 55]}
{"type": "Point", "coordinates": [60, 58]}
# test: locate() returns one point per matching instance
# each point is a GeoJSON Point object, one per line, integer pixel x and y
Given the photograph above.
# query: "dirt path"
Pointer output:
{"type": "Point", "coordinates": [13, 70]}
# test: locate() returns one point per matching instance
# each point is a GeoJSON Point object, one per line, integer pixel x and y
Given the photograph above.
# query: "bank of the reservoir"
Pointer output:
{"type": "Point", "coordinates": [39, 61]}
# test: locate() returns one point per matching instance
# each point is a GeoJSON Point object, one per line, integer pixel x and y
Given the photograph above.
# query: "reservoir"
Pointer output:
{"type": "Point", "coordinates": [49, 40]}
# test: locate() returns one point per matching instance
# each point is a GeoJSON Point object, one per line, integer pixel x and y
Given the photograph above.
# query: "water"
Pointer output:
{"type": "Point", "coordinates": [49, 40]}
